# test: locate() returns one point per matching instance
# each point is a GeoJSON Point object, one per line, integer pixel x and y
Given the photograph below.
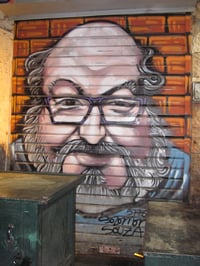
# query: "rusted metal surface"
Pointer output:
{"type": "Point", "coordinates": [172, 234]}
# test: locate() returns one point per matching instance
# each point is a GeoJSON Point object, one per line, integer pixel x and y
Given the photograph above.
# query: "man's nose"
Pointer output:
{"type": "Point", "coordinates": [91, 130]}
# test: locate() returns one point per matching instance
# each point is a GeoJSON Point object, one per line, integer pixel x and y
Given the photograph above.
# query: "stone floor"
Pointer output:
{"type": "Point", "coordinates": [106, 261]}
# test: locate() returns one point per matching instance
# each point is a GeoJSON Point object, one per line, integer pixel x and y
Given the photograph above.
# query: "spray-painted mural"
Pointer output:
{"type": "Point", "coordinates": [100, 104]}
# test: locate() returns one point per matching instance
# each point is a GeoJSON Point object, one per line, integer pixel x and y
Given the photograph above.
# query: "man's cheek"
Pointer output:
{"type": "Point", "coordinates": [56, 134]}
{"type": "Point", "coordinates": [137, 140]}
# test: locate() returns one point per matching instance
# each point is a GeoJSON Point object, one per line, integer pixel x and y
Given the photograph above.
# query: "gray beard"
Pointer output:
{"type": "Point", "coordinates": [94, 181]}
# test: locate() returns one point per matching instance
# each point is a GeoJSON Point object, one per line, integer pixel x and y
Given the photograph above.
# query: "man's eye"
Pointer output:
{"type": "Point", "coordinates": [67, 103]}
{"type": "Point", "coordinates": [125, 105]}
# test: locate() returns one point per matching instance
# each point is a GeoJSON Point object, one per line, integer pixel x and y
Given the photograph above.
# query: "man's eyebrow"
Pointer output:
{"type": "Point", "coordinates": [75, 85]}
{"type": "Point", "coordinates": [130, 84]}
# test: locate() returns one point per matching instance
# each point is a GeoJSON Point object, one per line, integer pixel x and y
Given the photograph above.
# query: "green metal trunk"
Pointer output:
{"type": "Point", "coordinates": [37, 219]}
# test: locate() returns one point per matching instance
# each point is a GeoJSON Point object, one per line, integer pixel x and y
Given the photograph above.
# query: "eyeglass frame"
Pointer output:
{"type": "Point", "coordinates": [95, 101]}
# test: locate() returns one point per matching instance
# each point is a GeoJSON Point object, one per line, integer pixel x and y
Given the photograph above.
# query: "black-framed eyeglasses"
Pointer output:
{"type": "Point", "coordinates": [76, 109]}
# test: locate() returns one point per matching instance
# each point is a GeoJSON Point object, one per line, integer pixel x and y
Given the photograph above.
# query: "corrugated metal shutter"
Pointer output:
{"type": "Point", "coordinates": [108, 98]}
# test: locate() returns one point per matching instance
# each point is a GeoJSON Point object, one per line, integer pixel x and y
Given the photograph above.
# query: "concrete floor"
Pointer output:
{"type": "Point", "coordinates": [106, 261]}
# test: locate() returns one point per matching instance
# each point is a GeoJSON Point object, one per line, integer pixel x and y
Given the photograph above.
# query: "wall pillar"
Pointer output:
{"type": "Point", "coordinates": [6, 55]}
{"type": "Point", "coordinates": [195, 149]}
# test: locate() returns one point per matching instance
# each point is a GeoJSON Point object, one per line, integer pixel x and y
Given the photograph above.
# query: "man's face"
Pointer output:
{"type": "Point", "coordinates": [92, 63]}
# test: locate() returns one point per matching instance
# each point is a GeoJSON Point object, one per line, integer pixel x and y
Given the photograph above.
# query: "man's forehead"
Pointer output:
{"type": "Point", "coordinates": [100, 55]}
{"type": "Point", "coordinates": [96, 39]}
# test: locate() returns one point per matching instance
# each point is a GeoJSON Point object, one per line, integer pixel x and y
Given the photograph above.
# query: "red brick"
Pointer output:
{"type": "Point", "coordinates": [41, 44]}
{"type": "Point", "coordinates": [175, 85]}
{"type": "Point", "coordinates": [21, 48]}
{"type": "Point", "coordinates": [32, 29]}
{"type": "Point", "coordinates": [61, 26]}
{"type": "Point", "coordinates": [179, 24]}
{"type": "Point", "coordinates": [147, 24]}
{"type": "Point", "coordinates": [121, 20]}
{"type": "Point", "coordinates": [169, 44]}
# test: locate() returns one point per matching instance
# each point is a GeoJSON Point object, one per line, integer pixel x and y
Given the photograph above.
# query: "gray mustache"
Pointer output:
{"type": "Point", "coordinates": [102, 148]}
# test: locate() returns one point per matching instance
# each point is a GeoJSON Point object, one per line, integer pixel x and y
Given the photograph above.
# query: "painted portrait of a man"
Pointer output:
{"type": "Point", "coordinates": [91, 113]}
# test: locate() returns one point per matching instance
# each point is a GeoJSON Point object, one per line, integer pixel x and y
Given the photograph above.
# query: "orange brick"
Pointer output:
{"type": "Point", "coordinates": [178, 64]}
{"type": "Point", "coordinates": [141, 40]}
{"type": "Point", "coordinates": [176, 125]}
{"type": "Point", "coordinates": [158, 63]}
{"type": "Point", "coordinates": [183, 144]}
{"type": "Point", "coordinates": [179, 105]}
{"type": "Point", "coordinates": [18, 103]}
{"type": "Point", "coordinates": [18, 85]}
{"type": "Point", "coordinates": [189, 126]}
{"type": "Point", "coordinates": [13, 137]}
{"type": "Point", "coordinates": [147, 24]}
{"type": "Point", "coordinates": [188, 64]}
{"type": "Point", "coordinates": [169, 44]}
{"type": "Point", "coordinates": [188, 105]}
{"type": "Point", "coordinates": [32, 29]}
{"type": "Point", "coordinates": [121, 20]}
{"type": "Point", "coordinates": [175, 64]}
{"type": "Point", "coordinates": [188, 20]}
{"type": "Point", "coordinates": [179, 24]}
{"type": "Point", "coordinates": [19, 69]}
{"type": "Point", "coordinates": [189, 84]}
{"type": "Point", "coordinates": [175, 85]}
{"type": "Point", "coordinates": [21, 48]}
{"type": "Point", "coordinates": [60, 26]}
{"type": "Point", "coordinates": [176, 105]}
{"type": "Point", "coordinates": [14, 121]}
{"type": "Point", "coordinates": [189, 43]}
{"type": "Point", "coordinates": [160, 102]}
{"type": "Point", "coordinates": [41, 44]}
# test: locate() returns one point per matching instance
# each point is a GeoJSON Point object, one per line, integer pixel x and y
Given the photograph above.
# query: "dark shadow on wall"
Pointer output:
{"type": "Point", "coordinates": [104, 260]}
{"type": "Point", "coordinates": [2, 158]}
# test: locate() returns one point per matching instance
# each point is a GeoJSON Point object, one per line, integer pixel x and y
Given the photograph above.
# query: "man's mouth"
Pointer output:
{"type": "Point", "coordinates": [77, 155]}
{"type": "Point", "coordinates": [92, 160]}
{"type": "Point", "coordinates": [111, 168]}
